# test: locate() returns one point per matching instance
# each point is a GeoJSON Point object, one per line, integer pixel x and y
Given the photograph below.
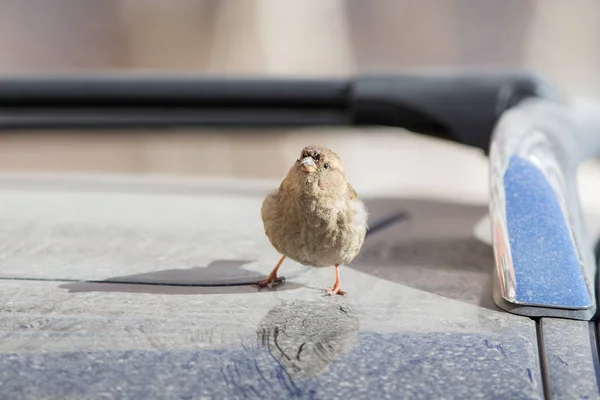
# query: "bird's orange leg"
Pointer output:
{"type": "Point", "coordinates": [337, 286]}
{"type": "Point", "coordinates": [272, 278]}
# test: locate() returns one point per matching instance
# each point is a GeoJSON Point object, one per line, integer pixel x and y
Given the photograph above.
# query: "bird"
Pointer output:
{"type": "Point", "coordinates": [315, 217]}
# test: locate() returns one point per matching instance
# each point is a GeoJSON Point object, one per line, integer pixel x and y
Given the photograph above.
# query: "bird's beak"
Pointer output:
{"type": "Point", "coordinates": [308, 164]}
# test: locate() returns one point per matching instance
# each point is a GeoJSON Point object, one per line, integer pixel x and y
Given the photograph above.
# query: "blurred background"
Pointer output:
{"type": "Point", "coordinates": [558, 39]}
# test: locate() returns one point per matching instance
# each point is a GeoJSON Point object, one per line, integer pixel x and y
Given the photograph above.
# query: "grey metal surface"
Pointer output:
{"type": "Point", "coordinates": [268, 345]}
{"type": "Point", "coordinates": [396, 335]}
{"type": "Point", "coordinates": [103, 233]}
{"type": "Point", "coordinates": [384, 366]}
{"type": "Point", "coordinates": [544, 257]}
{"type": "Point", "coordinates": [571, 356]}
{"type": "Point", "coordinates": [432, 248]}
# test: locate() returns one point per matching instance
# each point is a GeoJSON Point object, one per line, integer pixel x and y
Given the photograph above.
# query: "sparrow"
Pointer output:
{"type": "Point", "coordinates": [315, 217]}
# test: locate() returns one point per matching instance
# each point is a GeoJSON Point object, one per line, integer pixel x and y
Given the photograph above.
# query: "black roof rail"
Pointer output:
{"type": "Point", "coordinates": [462, 107]}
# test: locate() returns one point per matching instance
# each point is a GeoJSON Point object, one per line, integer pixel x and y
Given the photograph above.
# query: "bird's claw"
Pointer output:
{"type": "Point", "coordinates": [333, 291]}
{"type": "Point", "coordinates": [270, 282]}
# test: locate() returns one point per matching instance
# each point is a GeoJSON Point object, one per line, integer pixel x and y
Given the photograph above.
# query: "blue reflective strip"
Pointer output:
{"type": "Point", "coordinates": [547, 269]}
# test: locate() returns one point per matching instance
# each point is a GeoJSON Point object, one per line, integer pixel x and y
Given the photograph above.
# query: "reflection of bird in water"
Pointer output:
{"type": "Point", "coordinates": [305, 337]}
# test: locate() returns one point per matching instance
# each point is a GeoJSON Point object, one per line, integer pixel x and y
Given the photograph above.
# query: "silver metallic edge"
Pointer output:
{"type": "Point", "coordinates": [556, 137]}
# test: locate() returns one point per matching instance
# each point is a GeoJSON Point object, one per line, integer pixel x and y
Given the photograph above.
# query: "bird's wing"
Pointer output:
{"type": "Point", "coordinates": [353, 194]}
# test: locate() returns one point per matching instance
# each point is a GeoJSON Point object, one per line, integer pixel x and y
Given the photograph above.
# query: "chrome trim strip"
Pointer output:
{"type": "Point", "coordinates": [545, 264]}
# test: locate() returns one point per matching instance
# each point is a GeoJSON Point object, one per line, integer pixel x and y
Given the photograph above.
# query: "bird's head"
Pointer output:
{"type": "Point", "coordinates": [321, 166]}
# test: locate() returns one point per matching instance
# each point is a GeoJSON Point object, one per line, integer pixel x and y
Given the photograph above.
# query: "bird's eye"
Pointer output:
{"type": "Point", "coordinates": [326, 165]}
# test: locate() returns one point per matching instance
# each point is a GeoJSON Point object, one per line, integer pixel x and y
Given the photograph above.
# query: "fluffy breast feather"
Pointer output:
{"type": "Point", "coordinates": [320, 234]}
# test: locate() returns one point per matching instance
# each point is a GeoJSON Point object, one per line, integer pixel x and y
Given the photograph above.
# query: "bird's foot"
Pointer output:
{"type": "Point", "coordinates": [270, 282]}
{"type": "Point", "coordinates": [333, 291]}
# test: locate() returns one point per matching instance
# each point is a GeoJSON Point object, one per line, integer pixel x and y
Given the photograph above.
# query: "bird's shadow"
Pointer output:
{"type": "Point", "coordinates": [219, 277]}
